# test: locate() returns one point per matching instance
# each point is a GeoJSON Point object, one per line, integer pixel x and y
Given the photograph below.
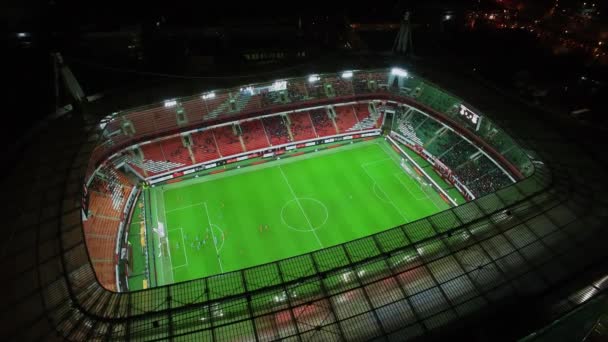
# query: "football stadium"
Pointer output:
{"type": "Point", "coordinates": [251, 190]}
{"type": "Point", "coordinates": [365, 204]}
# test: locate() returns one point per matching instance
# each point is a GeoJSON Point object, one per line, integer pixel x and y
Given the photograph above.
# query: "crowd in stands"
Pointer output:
{"type": "Point", "coordinates": [157, 157]}
{"type": "Point", "coordinates": [269, 98]}
{"type": "Point", "coordinates": [340, 85]}
{"type": "Point", "coordinates": [175, 150]}
{"type": "Point", "coordinates": [346, 118]}
{"type": "Point", "coordinates": [296, 91]}
{"type": "Point", "coordinates": [475, 170]}
{"type": "Point", "coordinates": [253, 134]}
{"type": "Point", "coordinates": [302, 126]}
{"type": "Point", "coordinates": [203, 146]}
{"type": "Point", "coordinates": [276, 129]}
{"type": "Point", "coordinates": [323, 124]}
{"type": "Point", "coordinates": [228, 140]}
{"type": "Point", "coordinates": [315, 90]}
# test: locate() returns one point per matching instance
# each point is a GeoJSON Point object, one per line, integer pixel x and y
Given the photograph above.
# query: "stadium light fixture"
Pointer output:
{"type": "Point", "coordinates": [170, 103]}
{"type": "Point", "coordinates": [313, 78]}
{"type": "Point", "coordinates": [208, 96]}
{"type": "Point", "coordinates": [347, 74]}
{"type": "Point", "coordinates": [398, 72]}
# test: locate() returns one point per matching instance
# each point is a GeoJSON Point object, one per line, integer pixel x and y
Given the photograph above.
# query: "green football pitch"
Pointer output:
{"type": "Point", "coordinates": [258, 214]}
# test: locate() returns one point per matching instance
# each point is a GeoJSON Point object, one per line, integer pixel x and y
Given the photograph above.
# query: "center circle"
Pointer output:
{"type": "Point", "coordinates": [304, 214]}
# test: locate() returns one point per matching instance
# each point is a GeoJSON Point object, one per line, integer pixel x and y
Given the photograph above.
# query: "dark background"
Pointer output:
{"type": "Point", "coordinates": [116, 47]}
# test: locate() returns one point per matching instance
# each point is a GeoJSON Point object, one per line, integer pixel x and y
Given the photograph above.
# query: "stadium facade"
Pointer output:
{"type": "Point", "coordinates": [519, 238]}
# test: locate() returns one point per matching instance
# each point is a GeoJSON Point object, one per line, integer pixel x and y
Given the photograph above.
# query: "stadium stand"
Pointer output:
{"type": "Point", "coordinates": [296, 91]}
{"type": "Point", "coordinates": [108, 191]}
{"type": "Point", "coordinates": [454, 157]}
{"type": "Point", "coordinates": [253, 134]}
{"type": "Point", "coordinates": [340, 86]}
{"type": "Point", "coordinates": [155, 160]}
{"type": "Point", "coordinates": [227, 140]}
{"type": "Point", "coordinates": [367, 119]}
{"type": "Point", "coordinates": [315, 90]}
{"type": "Point", "coordinates": [216, 105]}
{"type": "Point", "coordinates": [301, 126]}
{"type": "Point", "coordinates": [477, 172]}
{"type": "Point", "coordinates": [148, 121]}
{"type": "Point", "coordinates": [175, 151]}
{"type": "Point", "coordinates": [360, 83]}
{"type": "Point", "coordinates": [322, 122]}
{"type": "Point", "coordinates": [276, 129]}
{"type": "Point", "coordinates": [482, 176]}
{"type": "Point", "coordinates": [346, 120]}
{"type": "Point", "coordinates": [269, 98]}
{"type": "Point", "coordinates": [204, 147]}
{"type": "Point", "coordinates": [195, 109]}
{"type": "Point", "coordinates": [380, 79]}
{"type": "Point", "coordinates": [244, 101]}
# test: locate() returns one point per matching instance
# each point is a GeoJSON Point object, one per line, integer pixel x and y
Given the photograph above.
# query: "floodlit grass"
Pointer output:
{"type": "Point", "coordinates": [258, 214]}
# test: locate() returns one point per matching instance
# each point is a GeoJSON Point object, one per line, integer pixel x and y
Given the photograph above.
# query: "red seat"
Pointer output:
{"type": "Point", "coordinates": [227, 142]}
{"type": "Point", "coordinates": [322, 123]}
{"type": "Point", "coordinates": [276, 130]}
{"type": "Point", "coordinates": [254, 135]}
{"type": "Point", "coordinates": [175, 151]}
{"type": "Point", "coordinates": [345, 118]}
{"type": "Point", "coordinates": [301, 126]}
{"type": "Point", "coordinates": [204, 147]}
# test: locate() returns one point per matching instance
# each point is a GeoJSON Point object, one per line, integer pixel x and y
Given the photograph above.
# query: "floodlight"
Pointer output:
{"type": "Point", "coordinates": [313, 78]}
{"type": "Point", "coordinates": [399, 72]}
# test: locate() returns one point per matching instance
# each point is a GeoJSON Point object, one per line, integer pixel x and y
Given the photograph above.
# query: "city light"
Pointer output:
{"type": "Point", "coordinates": [170, 103]}
{"type": "Point", "coordinates": [398, 72]}
{"type": "Point", "coordinates": [347, 74]}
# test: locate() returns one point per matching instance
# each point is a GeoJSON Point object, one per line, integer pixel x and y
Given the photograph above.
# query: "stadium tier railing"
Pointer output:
{"type": "Point", "coordinates": [385, 284]}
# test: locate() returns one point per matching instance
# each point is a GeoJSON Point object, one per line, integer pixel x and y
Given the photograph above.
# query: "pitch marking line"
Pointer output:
{"type": "Point", "coordinates": [301, 208]}
{"type": "Point", "coordinates": [389, 199]}
{"type": "Point", "coordinates": [375, 187]}
{"type": "Point", "coordinates": [162, 201]}
{"type": "Point", "coordinates": [217, 252]}
{"type": "Point", "coordinates": [183, 246]}
{"type": "Point", "coordinates": [185, 207]}
{"type": "Point", "coordinates": [397, 163]}
{"type": "Point", "coordinates": [375, 162]}
{"type": "Point", "coordinates": [285, 161]}
{"type": "Point", "coordinates": [304, 198]}
{"type": "Point", "coordinates": [417, 198]}
{"type": "Point", "coordinates": [160, 263]}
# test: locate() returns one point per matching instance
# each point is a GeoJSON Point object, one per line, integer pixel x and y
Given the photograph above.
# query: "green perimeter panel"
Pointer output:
{"type": "Point", "coordinates": [259, 214]}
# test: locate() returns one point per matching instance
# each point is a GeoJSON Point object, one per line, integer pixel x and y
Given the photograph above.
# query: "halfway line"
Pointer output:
{"type": "Point", "coordinates": [312, 229]}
